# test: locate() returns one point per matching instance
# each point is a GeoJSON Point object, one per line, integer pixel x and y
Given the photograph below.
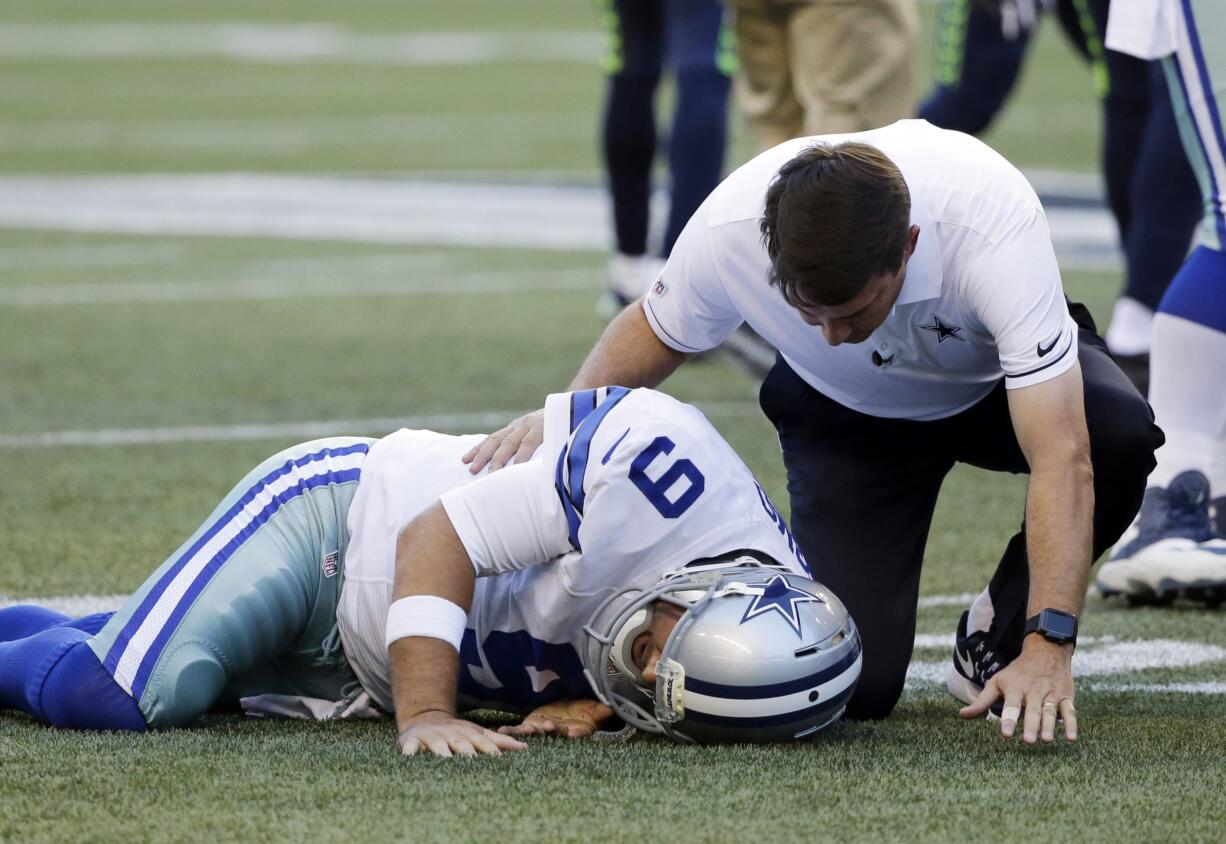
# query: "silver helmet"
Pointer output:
{"type": "Point", "coordinates": [759, 655]}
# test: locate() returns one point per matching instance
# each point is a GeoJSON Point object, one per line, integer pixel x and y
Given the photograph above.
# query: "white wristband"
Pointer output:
{"type": "Point", "coordinates": [426, 615]}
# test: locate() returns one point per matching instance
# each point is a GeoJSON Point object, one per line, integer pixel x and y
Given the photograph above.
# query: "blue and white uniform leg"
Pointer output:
{"type": "Point", "coordinates": [257, 584]}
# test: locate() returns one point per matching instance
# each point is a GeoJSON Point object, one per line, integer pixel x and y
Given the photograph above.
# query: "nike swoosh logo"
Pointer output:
{"type": "Point", "coordinates": [965, 663]}
{"type": "Point", "coordinates": [1043, 351]}
{"type": "Point", "coordinates": [609, 454]}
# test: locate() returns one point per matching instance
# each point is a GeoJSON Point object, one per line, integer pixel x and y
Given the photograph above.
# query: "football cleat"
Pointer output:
{"type": "Point", "coordinates": [1171, 549]}
{"type": "Point", "coordinates": [974, 663]}
{"type": "Point", "coordinates": [759, 655]}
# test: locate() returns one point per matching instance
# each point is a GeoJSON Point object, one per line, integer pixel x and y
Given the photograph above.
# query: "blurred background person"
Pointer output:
{"type": "Point", "coordinates": [812, 67]}
{"type": "Point", "coordinates": [689, 38]}
{"type": "Point", "coordinates": [981, 46]}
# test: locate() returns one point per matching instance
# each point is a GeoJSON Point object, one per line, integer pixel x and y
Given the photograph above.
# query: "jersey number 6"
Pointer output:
{"type": "Point", "coordinates": [656, 491]}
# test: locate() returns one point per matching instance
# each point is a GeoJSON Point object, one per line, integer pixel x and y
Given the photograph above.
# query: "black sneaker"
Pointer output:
{"type": "Point", "coordinates": [974, 663]}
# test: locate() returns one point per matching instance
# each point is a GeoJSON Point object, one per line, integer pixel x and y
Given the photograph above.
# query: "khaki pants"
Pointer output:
{"type": "Point", "coordinates": [811, 67]}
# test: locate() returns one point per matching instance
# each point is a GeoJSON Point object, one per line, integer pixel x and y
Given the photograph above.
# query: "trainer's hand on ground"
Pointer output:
{"type": "Point", "coordinates": [515, 443]}
{"type": "Point", "coordinates": [443, 734]}
{"type": "Point", "coordinates": [1039, 683]}
{"type": "Point", "coordinates": [572, 719]}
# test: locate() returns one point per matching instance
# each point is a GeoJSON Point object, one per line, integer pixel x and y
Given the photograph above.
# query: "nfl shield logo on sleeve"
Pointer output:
{"type": "Point", "coordinates": [331, 563]}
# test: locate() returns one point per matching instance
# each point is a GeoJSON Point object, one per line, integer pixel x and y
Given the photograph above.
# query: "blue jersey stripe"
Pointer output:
{"type": "Point", "coordinates": [572, 517]}
{"type": "Point", "coordinates": [214, 565]}
{"type": "Point", "coordinates": [581, 444]}
{"type": "Point", "coordinates": [142, 612]}
{"type": "Point", "coordinates": [582, 403]}
{"type": "Point", "coordinates": [791, 687]}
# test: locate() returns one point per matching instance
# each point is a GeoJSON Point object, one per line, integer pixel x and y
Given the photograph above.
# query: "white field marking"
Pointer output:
{"type": "Point", "coordinates": [313, 208]}
{"type": "Point", "coordinates": [920, 673]}
{"type": "Point", "coordinates": [142, 254]}
{"type": "Point", "coordinates": [1208, 688]}
{"type": "Point", "coordinates": [450, 422]}
{"type": "Point", "coordinates": [963, 600]}
{"type": "Point", "coordinates": [73, 605]}
{"type": "Point", "coordinates": [337, 286]}
{"type": "Point", "coordinates": [1094, 658]}
{"type": "Point", "coordinates": [306, 43]}
{"type": "Point", "coordinates": [387, 210]}
{"type": "Point", "coordinates": [292, 134]}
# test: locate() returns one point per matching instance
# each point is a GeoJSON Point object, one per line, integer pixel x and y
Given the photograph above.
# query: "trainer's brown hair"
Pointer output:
{"type": "Point", "coordinates": [836, 217]}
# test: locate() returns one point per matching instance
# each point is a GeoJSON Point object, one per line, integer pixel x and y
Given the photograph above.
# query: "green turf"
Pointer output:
{"type": "Point", "coordinates": [95, 520]}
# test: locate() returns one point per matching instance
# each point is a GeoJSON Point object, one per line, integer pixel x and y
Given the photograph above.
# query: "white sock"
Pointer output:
{"type": "Point", "coordinates": [1187, 388]}
{"type": "Point", "coordinates": [1130, 328]}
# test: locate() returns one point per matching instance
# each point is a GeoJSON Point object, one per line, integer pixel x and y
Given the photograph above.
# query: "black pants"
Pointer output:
{"type": "Point", "coordinates": [863, 490]}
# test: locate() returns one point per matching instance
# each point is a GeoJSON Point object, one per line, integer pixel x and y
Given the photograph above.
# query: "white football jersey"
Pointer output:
{"type": "Point", "coordinates": [628, 486]}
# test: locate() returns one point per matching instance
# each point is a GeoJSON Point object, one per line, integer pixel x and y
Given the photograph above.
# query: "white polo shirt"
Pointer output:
{"type": "Point", "coordinates": [982, 297]}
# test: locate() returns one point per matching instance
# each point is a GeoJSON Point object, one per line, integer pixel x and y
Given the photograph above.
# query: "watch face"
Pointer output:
{"type": "Point", "coordinates": [1058, 625]}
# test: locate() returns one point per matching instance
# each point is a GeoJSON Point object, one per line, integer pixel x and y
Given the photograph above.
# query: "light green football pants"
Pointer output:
{"type": "Point", "coordinates": [248, 604]}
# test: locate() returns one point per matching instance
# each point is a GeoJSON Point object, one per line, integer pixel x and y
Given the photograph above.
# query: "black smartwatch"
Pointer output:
{"type": "Point", "coordinates": [1056, 626]}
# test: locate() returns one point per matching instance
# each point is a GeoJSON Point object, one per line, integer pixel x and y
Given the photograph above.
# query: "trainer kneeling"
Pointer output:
{"type": "Point", "coordinates": [906, 277]}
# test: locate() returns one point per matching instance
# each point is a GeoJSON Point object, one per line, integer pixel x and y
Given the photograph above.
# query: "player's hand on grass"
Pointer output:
{"type": "Point", "coordinates": [515, 443]}
{"type": "Point", "coordinates": [443, 734]}
{"type": "Point", "coordinates": [572, 719]}
{"type": "Point", "coordinates": [1038, 686]}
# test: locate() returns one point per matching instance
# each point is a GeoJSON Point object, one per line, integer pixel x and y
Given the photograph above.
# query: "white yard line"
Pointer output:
{"type": "Point", "coordinates": [305, 43]}
{"type": "Point", "coordinates": [963, 600]}
{"type": "Point", "coordinates": [1096, 657]}
{"type": "Point", "coordinates": [381, 210]}
{"type": "Point", "coordinates": [140, 254]}
{"type": "Point", "coordinates": [451, 422]}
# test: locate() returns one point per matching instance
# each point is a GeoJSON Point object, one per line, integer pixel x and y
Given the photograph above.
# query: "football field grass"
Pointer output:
{"type": "Point", "coordinates": [142, 373]}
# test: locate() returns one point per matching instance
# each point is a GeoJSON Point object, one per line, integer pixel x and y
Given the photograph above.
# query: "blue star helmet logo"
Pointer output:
{"type": "Point", "coordinates": [781, 597]}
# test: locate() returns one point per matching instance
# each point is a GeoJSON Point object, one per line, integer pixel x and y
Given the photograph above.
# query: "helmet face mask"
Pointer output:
{"type": "Point", "coordinates": [760, 654]}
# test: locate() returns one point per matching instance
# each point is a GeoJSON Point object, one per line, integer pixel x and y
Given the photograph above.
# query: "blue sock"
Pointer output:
{"type": "Point", "coordinates": [1198, 292]}
{"type": "Point", "coordinates": [54, 676]}
{"type": "Point", "coordinates": [22, 621]}
{"type": "Point", "coordinates": [26, 619]}
{"type": "Point", "coordinates": [91, 624]}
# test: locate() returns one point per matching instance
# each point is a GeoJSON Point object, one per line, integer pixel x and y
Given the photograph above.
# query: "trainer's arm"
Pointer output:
{"type": "Point", "coordinates": [431, 560]}
{"type": "Point", "coordinates": [1049, 421]}
{"type": "Point", "coordinates": [628, 354]}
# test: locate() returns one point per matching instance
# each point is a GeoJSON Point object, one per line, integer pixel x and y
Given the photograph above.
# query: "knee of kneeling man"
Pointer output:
{"type": "Point", "coordinates": [1128, 443]}
{"type": "Point", "coordinates": [874, 698]}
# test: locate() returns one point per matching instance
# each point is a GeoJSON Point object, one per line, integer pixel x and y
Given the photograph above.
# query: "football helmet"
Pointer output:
{"type": "Point", "coordinates": [759, 655]}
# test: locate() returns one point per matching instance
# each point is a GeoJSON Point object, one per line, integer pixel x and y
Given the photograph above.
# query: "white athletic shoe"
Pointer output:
{"type": "Point", "coordinates": [629, 278]}
{"type": "Point", "coordinates": [1171, 549]}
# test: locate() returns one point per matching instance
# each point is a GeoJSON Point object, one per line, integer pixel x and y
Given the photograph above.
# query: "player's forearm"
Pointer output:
{"type": "Point", "coordinates": [628, 354]}
{"type": "Point", "coordinates": [430, 560]}
{"type": "Point", "coordinates": [1060, 527]}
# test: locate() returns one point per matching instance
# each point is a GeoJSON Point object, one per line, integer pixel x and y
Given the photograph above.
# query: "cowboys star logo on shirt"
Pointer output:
{"type": "Point", "coordinates": [943, 330]}
{"type": "Point", "coordinates": [781, 597]}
